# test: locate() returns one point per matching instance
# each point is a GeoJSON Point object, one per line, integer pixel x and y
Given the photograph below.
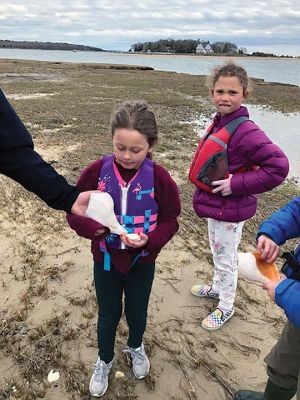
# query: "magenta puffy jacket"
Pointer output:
{"type": "Point", "coordinates": [249, 145]}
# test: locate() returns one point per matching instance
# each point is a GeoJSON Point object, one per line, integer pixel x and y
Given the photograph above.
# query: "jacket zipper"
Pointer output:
{"type": "Point", "coordinates": [124, 195]}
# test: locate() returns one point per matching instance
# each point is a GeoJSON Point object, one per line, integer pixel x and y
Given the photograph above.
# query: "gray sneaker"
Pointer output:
{"type": "Point", "coordinates": [99, 379]}
{"type": "Point", "coordinates": [140, 362]}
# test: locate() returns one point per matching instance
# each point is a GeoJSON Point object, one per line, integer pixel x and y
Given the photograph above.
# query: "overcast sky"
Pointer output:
{"type": "Point", "coordinates": [271, 25]}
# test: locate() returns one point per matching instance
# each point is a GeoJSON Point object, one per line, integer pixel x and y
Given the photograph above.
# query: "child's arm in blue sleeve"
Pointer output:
{"type": "Point", "coordinates": [287, 296]}
{"type": "Point", "coordinates": [284, 224]}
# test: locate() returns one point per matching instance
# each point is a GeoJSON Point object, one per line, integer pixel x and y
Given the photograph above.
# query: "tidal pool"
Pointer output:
{"type": "Point", "coordinates": [283, 129]}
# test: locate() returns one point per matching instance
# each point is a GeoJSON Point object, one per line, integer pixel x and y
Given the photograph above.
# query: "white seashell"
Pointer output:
{"type": "Point", "coordinates": [101, 209]}
{"type": "Point", "coordinates": [53, 376]}
{"type": "Point", "coordinates": [119, 375]}
{"type": "Point", "coordinates": [134, 237]}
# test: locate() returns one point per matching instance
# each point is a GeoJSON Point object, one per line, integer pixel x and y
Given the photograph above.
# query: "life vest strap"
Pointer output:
{"type": "Point", "coordinates": [219, 141]}
{"type": "Point", "coordinates": [106, 261]}
{"type": "Point", "coordinates": [140, 219]}
{"type": "Point", "coordinates": [148, 222]}
{"type": "Point", "coordinates": [232, 126]}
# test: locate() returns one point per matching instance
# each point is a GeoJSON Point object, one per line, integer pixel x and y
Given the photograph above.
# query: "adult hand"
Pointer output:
{"type": "Point", "coordinates": [224, 186]}
{"type": "Point", "coordinates": [133, 243]}
{"type": "Point", "coordinates": [81, 203]}
{"type": "Point", "coordinates": [270, 287]}
{"type": "Point", "coordinates": [268, 248]}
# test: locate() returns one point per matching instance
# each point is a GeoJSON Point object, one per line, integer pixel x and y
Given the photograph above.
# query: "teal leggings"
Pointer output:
{"type": "Point", "coordinates": [109, 292]}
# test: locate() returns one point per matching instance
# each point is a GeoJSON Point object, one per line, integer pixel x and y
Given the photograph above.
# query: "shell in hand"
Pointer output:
{"type": "Point", "coordinates": [134, 237]}
{"type": "Point", "coordinates": [253, 268]}
{"type": "Point", "coordinates": [101, 209]}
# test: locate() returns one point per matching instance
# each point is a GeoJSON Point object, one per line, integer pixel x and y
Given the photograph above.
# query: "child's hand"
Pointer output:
{"type": "Point", "coordinates": [270, 287]}
{"type": "Point", "coordinates": [223, 186]}
{"type": "Point", "coordinates": [133, 243]}
{"type": "Point", "coordinates": [268, 248]}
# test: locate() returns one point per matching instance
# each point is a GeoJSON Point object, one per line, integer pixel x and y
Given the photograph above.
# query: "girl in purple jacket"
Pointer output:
{"type": "Point", "coordinates": [146, 201]}
{"type": "Point", "coordinates": [233, 199]}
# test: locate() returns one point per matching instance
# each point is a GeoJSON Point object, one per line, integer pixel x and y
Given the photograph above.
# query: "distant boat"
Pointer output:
{"type": "Point", "coordinates": [75, 51]}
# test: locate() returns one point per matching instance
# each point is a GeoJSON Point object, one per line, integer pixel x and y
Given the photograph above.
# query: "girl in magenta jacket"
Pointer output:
{"type": "Point", "coordinates": [233, 200]}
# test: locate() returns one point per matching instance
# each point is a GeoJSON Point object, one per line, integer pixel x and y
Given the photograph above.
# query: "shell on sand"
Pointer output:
{"type": "Point", "coordinates": [119, 375]}
{"type": "Point", "coordinates": [53, 376]}
{"type": "Point", "coordinates": [253, 268]}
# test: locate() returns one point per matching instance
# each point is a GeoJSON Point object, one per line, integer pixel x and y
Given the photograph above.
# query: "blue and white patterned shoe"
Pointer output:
{"type": "Point", "coordinates": [216, 319]}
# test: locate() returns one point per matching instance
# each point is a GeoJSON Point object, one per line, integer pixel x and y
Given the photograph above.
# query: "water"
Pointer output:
{"type": "Point", "coordinates": [283, 70]}
{"type": "Point", "coordinates": [282, 128]}
{"type": "Point", "coordinates": [278, 126]}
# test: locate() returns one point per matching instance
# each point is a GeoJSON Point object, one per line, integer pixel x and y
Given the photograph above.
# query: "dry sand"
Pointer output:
{"type": "Point", "coordinates": [48, 309]}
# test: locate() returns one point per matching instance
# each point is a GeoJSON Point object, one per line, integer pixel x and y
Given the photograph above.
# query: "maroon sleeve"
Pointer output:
{"type": "Point", "coordinates": [88, 180]}
{"type": "Point", "coordinates": [167, 197]}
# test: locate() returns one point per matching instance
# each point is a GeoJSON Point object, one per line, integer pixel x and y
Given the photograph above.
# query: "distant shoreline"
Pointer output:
{"type": "Point", "coordinates": [240, 57]}
{"type": "Point", "coordinates": [84, 49]}
{"type": "Point", "coordinates": [272, 71]}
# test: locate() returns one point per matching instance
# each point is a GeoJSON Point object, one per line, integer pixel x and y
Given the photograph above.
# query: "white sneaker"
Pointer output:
{"type": "Point", "coordinates": [140, 362]}
{"type": "Point", "coordinates": [99, 379]}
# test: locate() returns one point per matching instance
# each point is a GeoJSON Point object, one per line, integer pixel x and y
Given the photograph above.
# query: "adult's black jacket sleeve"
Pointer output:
{"type": "Point", "coordinates": [19, 161]}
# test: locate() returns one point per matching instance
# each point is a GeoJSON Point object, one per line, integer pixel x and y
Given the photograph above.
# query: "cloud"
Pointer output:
{"type": "Point", "coordinates": [116, 24]}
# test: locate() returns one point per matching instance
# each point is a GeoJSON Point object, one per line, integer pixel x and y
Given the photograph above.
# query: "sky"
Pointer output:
{"type": "Point", "coordinates": [271, 26]}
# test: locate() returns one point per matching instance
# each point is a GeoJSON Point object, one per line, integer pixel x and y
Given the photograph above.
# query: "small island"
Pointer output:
{"type": "Point", "coordinates": [13, 44]}
{"type": "Point", "coordinates": [196, 47]}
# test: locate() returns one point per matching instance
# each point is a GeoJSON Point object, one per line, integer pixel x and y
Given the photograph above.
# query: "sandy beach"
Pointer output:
{"type": "Point", "coordinates": [48, 309]}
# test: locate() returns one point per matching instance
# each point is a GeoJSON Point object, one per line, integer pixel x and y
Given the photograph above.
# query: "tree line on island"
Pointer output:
{"type": "Point", "coordinates": [165, 46]}
{"type": "Point", "coordinates": [14, 44]}
{"type": "Point", "coordinates": [191, 46]}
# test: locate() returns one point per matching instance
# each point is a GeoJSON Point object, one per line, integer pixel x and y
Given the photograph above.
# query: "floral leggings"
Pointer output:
{"type": "Point", "coordinates": [224, 238]}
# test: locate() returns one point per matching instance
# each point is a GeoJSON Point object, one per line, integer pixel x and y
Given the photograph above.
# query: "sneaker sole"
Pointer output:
{"type": "Point", "coordinates": [141, 377]}
{"type": "Point", "coordinates": [96, 394]}
{"type": "Point", "coordinates": [215, 328]}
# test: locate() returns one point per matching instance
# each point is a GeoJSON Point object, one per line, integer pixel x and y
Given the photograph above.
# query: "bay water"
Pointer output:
{"type": "Point", "coordinates": [282, 70]}
{"type": "Point", "coordinates": [281, 128]}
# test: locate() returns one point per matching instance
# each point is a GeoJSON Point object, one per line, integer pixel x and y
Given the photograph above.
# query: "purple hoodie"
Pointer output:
{"type": "Point", "coordinates": [249, 145]}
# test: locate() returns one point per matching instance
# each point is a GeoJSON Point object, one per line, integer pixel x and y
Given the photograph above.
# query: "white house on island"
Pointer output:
{"type": "Point", "coordinates": [200, 49]}
{"type": "Point", "coordinates": [208, 48]}
{"type": "Point", "coordinates": [203, 48]}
